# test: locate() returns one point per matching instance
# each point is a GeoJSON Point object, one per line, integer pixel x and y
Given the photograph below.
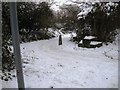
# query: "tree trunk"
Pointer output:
{"type": "Point", "coordinates": [60, 40]}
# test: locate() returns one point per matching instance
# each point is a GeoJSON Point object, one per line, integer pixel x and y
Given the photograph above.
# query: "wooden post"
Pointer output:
{"type": "Point", "coordinates": [60, 40]}
{"type": "Point", "coordinates": [16, 44]}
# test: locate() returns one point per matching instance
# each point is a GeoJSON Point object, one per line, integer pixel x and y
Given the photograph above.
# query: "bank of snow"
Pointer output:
{"type": "Point", "coordinates": [45, 65]}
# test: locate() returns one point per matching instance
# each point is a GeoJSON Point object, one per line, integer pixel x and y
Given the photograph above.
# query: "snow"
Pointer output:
{"type": "Point", "coordinates": [89, 37]}
{"type": "Point", "coordinates": [94, 43]}
{"type": "Point", "coordinates": [56, 4]}
{"type": "Point", "coordinates": [73, 34]}
{"type": "Point", "coordinates": [45, 65]}
{"type": "Point", "coordinates": [81, 42]}
{"type": "Point", "coordinates": [86, 10]}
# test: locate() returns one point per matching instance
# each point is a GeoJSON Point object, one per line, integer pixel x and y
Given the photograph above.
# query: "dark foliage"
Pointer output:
{"type": "Point", "coordinates": [34, 21]}
{"type": "Point", "coordinates": [103, 20]}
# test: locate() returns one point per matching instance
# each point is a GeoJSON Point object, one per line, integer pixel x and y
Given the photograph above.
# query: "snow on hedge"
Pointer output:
{"type": "Point", "coordinates": [95, 43]}
{"type": "Point", "coordinates": [89, 37]}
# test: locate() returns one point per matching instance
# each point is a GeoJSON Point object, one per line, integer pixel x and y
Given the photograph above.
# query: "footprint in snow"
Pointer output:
{"type": "Point", "coordinates": [60, 65]}
{"type": "Point", "coordinates": [91, 71]}
{"type": "Point", "coordinates": [106, 78]}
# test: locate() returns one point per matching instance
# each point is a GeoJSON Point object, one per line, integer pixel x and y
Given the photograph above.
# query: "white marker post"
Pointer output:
{"type": "Point", "coordinates": [16, 44]}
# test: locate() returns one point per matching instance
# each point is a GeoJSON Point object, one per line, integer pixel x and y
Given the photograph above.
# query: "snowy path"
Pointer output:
{"type": "Point", "coordinates": [48, 65]}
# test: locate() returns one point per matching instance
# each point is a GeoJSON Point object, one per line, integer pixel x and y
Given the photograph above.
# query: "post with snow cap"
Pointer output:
{"type": "Point", "coordinates": [16, 44]}
{"type": "Point", "coordinates": [60, 38]}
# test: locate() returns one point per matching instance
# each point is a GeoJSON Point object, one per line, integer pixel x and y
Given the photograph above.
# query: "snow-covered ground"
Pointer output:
{"type": "Point", "coordinates": [45, 65]}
